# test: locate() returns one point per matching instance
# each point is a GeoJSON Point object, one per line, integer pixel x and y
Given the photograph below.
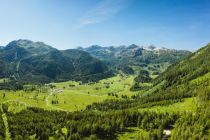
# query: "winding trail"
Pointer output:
{"type": "Point", "coordinates": [7, 132]}
{"type": "Point", "coordinates": [4, 117]}
{"type": "Point", "coordinates": [47, 99]}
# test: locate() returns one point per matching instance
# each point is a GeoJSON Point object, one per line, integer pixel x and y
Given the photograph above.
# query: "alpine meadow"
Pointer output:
{"type": "Point", "coordinates": [75, 83]}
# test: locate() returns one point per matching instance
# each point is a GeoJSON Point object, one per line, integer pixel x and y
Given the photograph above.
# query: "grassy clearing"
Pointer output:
{"type": "Point", "coordinates": [189, 104]}
{"type": "Point", "coordinates": [28, 98]}
{"type": "Point", "coordinates": [15, 106]}
{"type": "Point", "coordinates": [132, 133]}
{"type": "Point", "coordinates": [74, 96]}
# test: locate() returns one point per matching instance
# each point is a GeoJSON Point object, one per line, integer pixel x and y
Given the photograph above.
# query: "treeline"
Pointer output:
{"type": "Point", "coordinates": [11, 85]}
{"type": "Point", "coordinates": [79, 125]}
{"type": "Point", "coordinates": [18, 84]}
{"type": "Point", "coordinates": [129, 103]}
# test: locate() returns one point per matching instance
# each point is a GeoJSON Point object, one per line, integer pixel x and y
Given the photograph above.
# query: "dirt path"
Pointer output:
{"type": "Point", "coordinates": [4, 117]}
{"type": "Point", "coordinates": [47, 99]}
{"type": "Point", "coordinates": [7, 132]}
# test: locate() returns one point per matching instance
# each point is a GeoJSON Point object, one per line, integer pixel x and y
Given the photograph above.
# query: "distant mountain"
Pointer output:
{"type": "Point", "coordinates": [35, 62]}
{"type": "Point", "coordinates": [128, 56]}
{"type": "Point", "coordinates": [145, 54]}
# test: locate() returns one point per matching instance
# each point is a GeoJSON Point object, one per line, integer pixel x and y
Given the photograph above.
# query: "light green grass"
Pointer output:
{"type": "Point", "coordinates": [79, 96]}
{"type": "Point", "coordinates": [7, 132]}
{"type": "Point", "coordinates": [132, 133]}
{"type": "Point", "coordinates": [27, 98]}
{"type": "Point", "coordinates": [189, 104]}
{"type": "Point", "coordinates": [72, 98]}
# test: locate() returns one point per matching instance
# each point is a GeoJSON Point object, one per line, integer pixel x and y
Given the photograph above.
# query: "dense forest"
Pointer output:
{"type": "Point", "coordinates": [79, 125]}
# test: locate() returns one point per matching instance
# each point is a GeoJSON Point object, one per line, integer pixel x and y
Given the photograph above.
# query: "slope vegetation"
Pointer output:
{"type": "Point", "coordinates": [34, 62]}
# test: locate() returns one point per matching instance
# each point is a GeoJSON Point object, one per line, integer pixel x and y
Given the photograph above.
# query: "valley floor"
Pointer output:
{"type": "Point", "coordinates": [70, 96]}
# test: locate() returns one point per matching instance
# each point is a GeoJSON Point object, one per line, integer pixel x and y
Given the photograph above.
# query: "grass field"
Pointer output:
{"type": "Point", "coordinates": [71, 95]}
{"type": "Point", "coordinates": [75, 96]}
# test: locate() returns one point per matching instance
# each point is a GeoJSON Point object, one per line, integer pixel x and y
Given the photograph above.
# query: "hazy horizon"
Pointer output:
{"type": "Point", "coordinates": [67, 24]}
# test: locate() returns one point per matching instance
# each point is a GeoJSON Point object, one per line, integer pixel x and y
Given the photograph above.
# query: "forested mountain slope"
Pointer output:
{"type": "Point", "coordinates": [194, 66]}
{"type": "Point", "coordinates": [34, 62]}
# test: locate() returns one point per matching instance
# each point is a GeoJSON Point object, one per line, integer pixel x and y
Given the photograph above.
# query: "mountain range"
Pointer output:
{"type": "Point", "coordinates": [121, 57]}
{"type": "Point", "coordinates": [26, 61]}
{"type": "Point", "coordinates": [29, 61]}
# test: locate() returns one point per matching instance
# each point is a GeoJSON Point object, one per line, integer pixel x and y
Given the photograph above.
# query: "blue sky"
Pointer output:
{"type": "Point", "coordinates": [64, 24]}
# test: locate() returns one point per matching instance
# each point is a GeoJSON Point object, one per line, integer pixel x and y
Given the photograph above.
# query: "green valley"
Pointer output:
{"type": "Point", "coordinates": [104, 70]}
{"type": "Point", "coordinates": [153, 102]}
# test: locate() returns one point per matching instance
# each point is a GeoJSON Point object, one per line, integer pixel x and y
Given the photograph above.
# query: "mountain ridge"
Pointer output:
{"type": "Point", "coordinates": [127, 57]}
{"type": "Point", "coordinates": [28, 61]}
